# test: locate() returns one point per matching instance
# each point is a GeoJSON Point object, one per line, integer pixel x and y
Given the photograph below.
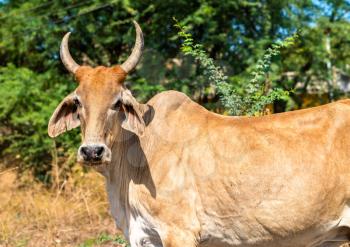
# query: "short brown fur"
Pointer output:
{"type": "Point", "coordinates": [178, 175]}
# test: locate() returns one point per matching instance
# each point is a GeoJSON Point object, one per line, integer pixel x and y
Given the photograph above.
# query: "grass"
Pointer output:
{"type": "Point", "coordinates": [72, 214]}
{"type": "Point", "coordinates": [104, 239]}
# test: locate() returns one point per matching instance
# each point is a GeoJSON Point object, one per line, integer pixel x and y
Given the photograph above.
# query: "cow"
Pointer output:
{"type": "Point", "coordinates": [178, 175]}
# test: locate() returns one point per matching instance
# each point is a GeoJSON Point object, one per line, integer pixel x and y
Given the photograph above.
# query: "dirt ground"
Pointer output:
{"type": "Point", "coordinates": [73, 214]}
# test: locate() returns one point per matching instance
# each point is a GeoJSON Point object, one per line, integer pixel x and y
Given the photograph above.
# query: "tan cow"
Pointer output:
{"type": "Point", "coordinates": [178, 175]}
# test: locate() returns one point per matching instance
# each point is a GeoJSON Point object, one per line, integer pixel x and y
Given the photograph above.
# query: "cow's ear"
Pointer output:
{"type": "Point", "coordinates": [65, 117]}
{"type": "Point", "coordinates": [130, 113]}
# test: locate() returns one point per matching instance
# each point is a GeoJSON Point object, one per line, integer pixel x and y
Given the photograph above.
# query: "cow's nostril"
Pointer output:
{"type": "Point", "coordinates": [84, 152]}
{"type": "Point", "coordinates": [99, 151]}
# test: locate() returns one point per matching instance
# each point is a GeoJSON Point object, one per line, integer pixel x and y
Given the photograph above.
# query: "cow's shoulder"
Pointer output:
{"type": "Point", "coordinates": [170, 97]}
{"type": "Point", "coordinates": [175, 110]}
{"type": "Point", "coordinates": [172, 101]}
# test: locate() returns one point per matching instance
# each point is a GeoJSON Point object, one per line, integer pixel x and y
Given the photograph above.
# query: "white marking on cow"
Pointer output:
{"type": "Point", "coordinates": [140, 232]}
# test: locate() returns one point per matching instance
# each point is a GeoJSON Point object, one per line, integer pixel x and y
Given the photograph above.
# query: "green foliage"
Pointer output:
{"type": "Point", "coordinates": [104, 238]}
{"type": "Point", "coordinates": [254, 95]}
{"type": "Point", "coordinates": [240, 36]}
{"type": "Point", "coordinates": [24, 113]}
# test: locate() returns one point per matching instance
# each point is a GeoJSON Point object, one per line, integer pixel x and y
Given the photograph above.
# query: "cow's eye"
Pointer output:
{"type": "Point", "coordinates": [117, 105]}
{"type": "Point", "coordinates": [77, 102]}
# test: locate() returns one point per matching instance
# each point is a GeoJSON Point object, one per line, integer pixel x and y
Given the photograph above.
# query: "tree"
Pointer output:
{"type": "Point", "coordinates": [236, 34]}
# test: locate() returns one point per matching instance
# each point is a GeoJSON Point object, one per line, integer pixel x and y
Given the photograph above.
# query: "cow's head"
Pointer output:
{"type": "Point", "coordinates": [101, 105]}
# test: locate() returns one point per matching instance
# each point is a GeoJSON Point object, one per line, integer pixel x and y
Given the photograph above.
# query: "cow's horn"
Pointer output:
{"type": "Point", "coordinates": [136, 53]}
{"type": "Point", "coordinates": [66, 58]}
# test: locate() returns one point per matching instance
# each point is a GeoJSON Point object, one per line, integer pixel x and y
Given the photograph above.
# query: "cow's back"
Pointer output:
{"type": "Point", "coordinates": [257, 178]}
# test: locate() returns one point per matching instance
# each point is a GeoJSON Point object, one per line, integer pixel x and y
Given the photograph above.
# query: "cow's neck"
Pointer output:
{"type": "Point", "coordinates": [128, 166]}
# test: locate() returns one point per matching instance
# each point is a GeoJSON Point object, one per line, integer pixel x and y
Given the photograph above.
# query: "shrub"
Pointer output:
{"type": "Point", "coordinates": [255, 93]}
{"type": "Point", "coordinates": [27, 101]}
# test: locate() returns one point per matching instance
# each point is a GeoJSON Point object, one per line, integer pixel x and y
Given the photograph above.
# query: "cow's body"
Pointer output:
{"type": "Point", "coordinates": [279, 180]}
{"type": "Point", "coordinates": [180, 176]}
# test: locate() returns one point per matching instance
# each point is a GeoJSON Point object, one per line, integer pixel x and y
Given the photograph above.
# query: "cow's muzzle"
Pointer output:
{"type": "Point", "coordinates": [94, 154]}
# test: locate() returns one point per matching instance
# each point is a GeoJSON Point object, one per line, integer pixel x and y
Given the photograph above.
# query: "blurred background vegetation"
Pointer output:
{"type": "Point", "coordinates": [238, 57]}
{"type": "Point", "coordinates": [268, 56]}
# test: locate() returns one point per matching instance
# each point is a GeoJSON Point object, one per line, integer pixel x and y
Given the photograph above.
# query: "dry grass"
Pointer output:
{"type": "Point", "coordinates": [32, 215]}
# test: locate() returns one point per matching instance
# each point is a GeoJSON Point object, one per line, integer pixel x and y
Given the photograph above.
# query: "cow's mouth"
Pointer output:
{"type": "Point", "coordinates": [94, 163]}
